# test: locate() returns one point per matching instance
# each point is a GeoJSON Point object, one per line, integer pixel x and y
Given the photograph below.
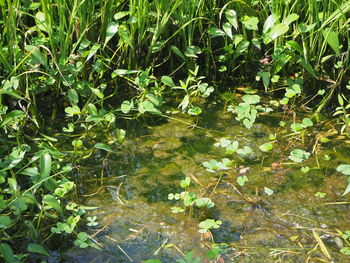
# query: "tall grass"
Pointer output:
{"type": "Point", "coordinates": [147, 31]}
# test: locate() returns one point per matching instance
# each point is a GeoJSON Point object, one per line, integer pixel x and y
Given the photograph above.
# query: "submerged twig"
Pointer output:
{"type": "Point", "coordinates": [122, 250]}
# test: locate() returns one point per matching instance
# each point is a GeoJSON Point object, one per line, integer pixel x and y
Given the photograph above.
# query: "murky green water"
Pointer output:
{"type": "Point", "coordinates": [131, 188]}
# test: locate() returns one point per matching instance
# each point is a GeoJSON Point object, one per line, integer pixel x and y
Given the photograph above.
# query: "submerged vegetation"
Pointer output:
{"type": "Point", "coordinates": [75, 75]}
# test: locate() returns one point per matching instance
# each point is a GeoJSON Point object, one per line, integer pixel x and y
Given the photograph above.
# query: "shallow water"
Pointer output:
{"type": "Point", "coordinates": [130, 187]}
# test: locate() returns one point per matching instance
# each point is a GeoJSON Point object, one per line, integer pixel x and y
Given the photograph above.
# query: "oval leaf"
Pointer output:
{"type": "Point", "coordinates": [103, 146]}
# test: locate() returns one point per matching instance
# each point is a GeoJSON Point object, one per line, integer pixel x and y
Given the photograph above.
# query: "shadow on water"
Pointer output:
{"type": "Point", "coordinates": [134, 215]}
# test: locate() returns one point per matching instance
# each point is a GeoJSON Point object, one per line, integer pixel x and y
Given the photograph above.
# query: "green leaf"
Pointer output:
{"type": "Point", "coordinates": [168, 81]}
{"type": "Point", "coordinates": [250, 22]}
{"type": "Point", "coordinates": [193, 51]}
{"type": "Point", "coordinates": [299, 155]}
{"type": "Point", "coordinates": [5, 221]}
{"type": "Point", "coordinates": [7, 253]}
{"type": "Point", "coordinates": [303, 28]}
{"type": "Point", "coordinates": [344, 169]}
{"type": "Point", "coordinates": [120, 15]}
{"type": "Point", "coordinates": [307, 122]}
{"type": "Point", "coordinates": [296, 127]}
{"type": "Point", "coordinates": [266, 147]}
{"type": "Point", "coordinates": [204, 202]}
{"type": "Point", "coordinates": [97, 92]}
{"type": "Point", "coordinates": [251, 99]}
{"type": "Point", "coordinates": [83, 236]}
{"type": "Point", "coordinates": [73, 97]}
{"type": "Point", "coordinates": [72, 111]}
{"type": "Point", "coordinates": [77, 143]}
{"type": "Point", "coordinates": [268, 191]}
{"type": "Point", "coordinates": [36, 248]}
{"type": "Point", "coordinates": [93, 51]}
{"type": "Point", "coordinates": [177, 51]}
{"type": "Point", "coordinates": [332, 39]}
{"type": "Point", "coordinates": [36, 55]}
{"type": "Point", "coordinates": [45, 165]}
{"type": "Point", "coordinates": [126, 106]}
{"type": "Point", "coordinates": [156, 100]}
{"type": "Point", "coordinates": [120, 134]}
{"type": "Point", "coordinates": [194, 110]}
{"type": "Point", "coordinates": [11, 116]}
{"type": "Point", "coordinates": [241, 180]}
{"type": "Point", "coordinates": [91, 109]}
{"type": "Point", "coordinates": [305, 169]}
{"type": "Point", "coordinates": [153, 261]}
{"type": "Point", "coordinates": [112, 29]}
{"type": "Point", "coordinates": [266, 79]}
{"type": "Point", "coordinates": [52, 201]}
{"type": "Point", "coordinates": [147, 106]}
{"type": "Point", "coordinates": [290, 19]}
{"type": "Point", "coordinates": [212, 254]}
{"type": "Point", "coordinates": [215, 32]}
{"type": "Point", "coordinates": [307, 67]}
{"type": "Point", "coordinates": [227, 28]}
{"type": "Point", "coordinates": [347, 190]}
{"type": "Point", "coordinates": [185, 182]}
{"type": "Point", "coordinates": [103, 146]}
{"type": "Point", "coordinates": [122, 72]}
{"type": "Point", "coordinates": [278, 30]}
{"type": "Point", "coordinates": [269, 22]}
{"type": "Point", "coordinates": [231, 17]}
{"type": "Point", "coordinates": [295, 45]}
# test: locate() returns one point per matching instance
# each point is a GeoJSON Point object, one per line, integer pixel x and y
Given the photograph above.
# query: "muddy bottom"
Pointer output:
{"type": "Point", "coordinates": [136, 223]}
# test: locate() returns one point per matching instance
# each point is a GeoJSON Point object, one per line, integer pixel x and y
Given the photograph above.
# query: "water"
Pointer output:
{"type": "Point", "coordinates": [130, 188]}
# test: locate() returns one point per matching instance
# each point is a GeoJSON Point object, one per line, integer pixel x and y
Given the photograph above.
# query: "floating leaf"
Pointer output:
{"type": "Point", "coordinates": [241, 180]}
{"type": "Point", "coordinates": [185, 182]}
{"type": "Point", "coordinates": [251, 99]}
{"type": "Point", "coordinates": [344, 169]}
{"type": "Point", "coordinates": [307, 122]}
{"type": "Point", "coordinates": [204, 202]}
{"type": "Point", "coordinates": [268, 191]}
{"type": "Point", "coordinates": [266, 147]}
{"type": "Point", "coordinates": [299, 155]}
{"type": "Point", "coordinates": [305, 169]}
